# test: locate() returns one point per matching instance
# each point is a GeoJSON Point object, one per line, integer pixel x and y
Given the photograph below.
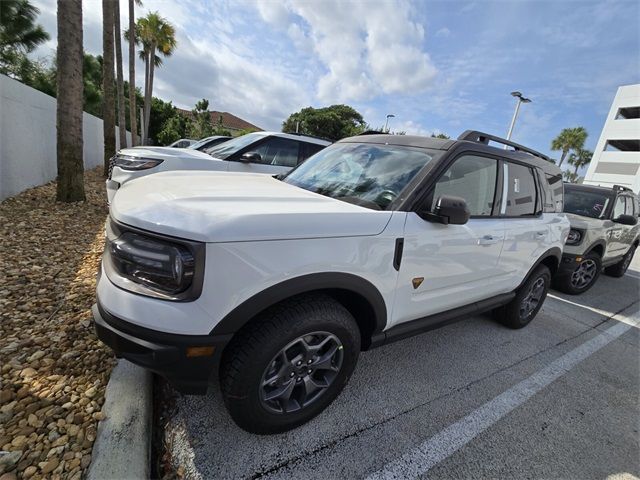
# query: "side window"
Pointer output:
{"type": "Point", "coordinates": [619, 207]}
{"type": "Point", "coordinates": [308, 149]}
{"type": "Point", "coordinates": [521, 191]}
{"type": "Point", "coordinates": [278, 151]}
{"type": "Point", "coordinates": [629, 209]}
{"type": "Point", "coordinates": [555, 204]}
{"type": "Point", "coordinates": [472, 178]}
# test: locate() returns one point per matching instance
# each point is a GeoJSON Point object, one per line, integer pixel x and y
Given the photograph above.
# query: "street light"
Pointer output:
{"type": "Point", "coordinates": [521, 99]}
{"type": "Point", "coordinates": [386, 123]}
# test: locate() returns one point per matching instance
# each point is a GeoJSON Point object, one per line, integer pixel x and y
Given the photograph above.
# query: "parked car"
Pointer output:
{"type": "Point", "coordinates": [604, 234]}
{"type": "Point", "coordinates": [182, 143]}
{"type": "Point", "coordinates": [259, 152]}
{"type": "Point", "coordinates": [209, 142]}
{"type": "Point", "coordinates": [277, 284]}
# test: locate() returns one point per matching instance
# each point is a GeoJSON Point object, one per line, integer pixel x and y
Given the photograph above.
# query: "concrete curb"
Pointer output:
{"type": "Point", "coordinates": [123, 444]}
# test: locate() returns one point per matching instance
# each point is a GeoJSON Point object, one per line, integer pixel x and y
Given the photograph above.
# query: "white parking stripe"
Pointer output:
{"type": "Point", "coordinates": [422, 458]}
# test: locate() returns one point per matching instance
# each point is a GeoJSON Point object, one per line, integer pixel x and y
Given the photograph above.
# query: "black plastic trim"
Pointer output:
{"type": "Point", "coordinates": [397, 254]}
{"type": "Point", "coordinates": [432, 322]}
{"type": "Point", "coordinates": [244, 312]}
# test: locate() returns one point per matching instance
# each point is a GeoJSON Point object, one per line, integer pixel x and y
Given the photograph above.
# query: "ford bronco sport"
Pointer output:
{"type": "Point", "coordinates": [275, 285]}
{"type": "Point", "coordinates": [604, 234]}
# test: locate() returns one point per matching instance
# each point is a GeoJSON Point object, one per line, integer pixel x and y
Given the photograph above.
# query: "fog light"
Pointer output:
{"type": "Point", "coordinates": [200, 351]}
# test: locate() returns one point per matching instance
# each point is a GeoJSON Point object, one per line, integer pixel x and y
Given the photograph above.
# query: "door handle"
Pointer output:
{"type": "Point", "coordinates": [488, 240]}
{"type": "Point", "coordinates": [541, 234]}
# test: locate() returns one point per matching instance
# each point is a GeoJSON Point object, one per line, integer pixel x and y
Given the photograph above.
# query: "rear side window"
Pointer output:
{"type": "Point", "coordinates": [554, 194]}
{"type": "Point", "coordinates": [278, 151]}
{"type": "Point", "coordinates": [472, 178]}
{"type": "Point", "coordinates": [521, 191]}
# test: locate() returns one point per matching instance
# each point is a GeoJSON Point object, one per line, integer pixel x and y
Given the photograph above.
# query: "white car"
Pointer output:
{"type": "Point", "coordinates": [276, 285]}
{"type": "Point", "coordinates": [182, 143]}
{"type": "Point", "coordinates": [260, 152]}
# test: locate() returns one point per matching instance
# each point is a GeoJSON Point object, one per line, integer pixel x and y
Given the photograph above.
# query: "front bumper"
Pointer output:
{"type": "Point", "coordinates": [112, 188]}
{"type": "Point", "coordinates": [187, 361]}
{"type": "Point", "coordinates": [568, 264]}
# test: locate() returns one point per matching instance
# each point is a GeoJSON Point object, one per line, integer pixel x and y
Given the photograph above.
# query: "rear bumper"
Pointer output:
{"type": "Point", "coordinates": [169, 355]}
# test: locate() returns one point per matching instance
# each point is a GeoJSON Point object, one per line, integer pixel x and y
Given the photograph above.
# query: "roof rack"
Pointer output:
{"type": "Point", "coordinates": [480, 137]}
{"type": "Point", "coordinates": [620, 188]}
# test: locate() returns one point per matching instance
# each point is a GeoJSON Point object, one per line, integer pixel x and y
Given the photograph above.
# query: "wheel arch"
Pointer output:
{"type": "Point", "coordinates": [551, 258]}
{"type": "Point", "coordinates": [359, 296]}
{"type": "Point", "coordinates": [598, 247]}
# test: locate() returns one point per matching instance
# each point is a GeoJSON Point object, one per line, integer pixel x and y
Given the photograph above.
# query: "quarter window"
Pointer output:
{"type": "Point", "coordinates": [472, 178]}
{"type": "Point", "coordinates": [521, 191]}
{"type": "Point", "coordinates": [278, 151]}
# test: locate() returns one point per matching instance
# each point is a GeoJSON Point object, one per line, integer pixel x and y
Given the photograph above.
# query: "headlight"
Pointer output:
{"type": "Point", "coordinates": [127, 162]}
{"type": "Point", "coordinates": [574, 238]}
{"type": "Point", "coordinates": [150, 266]}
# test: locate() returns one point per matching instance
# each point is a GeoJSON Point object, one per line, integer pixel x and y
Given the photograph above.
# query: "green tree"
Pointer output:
{"type": "Point", "coordinates": [444, 136]}
{"type": "Point", "coordinates": [70, 185]}
{"type": "Point", "coordinates": [244, 131]}
{"type": "Point", "coordinates": [569, 139]}
{"type": "Point", "coordinates": [174, 128]}
{"type": "Point", "coordinates": [157, 36]}
{"type": "Point", "coordinates": [333, 123]}
{"type": "Point", "coordinates": [219, 128]}
{"type": "Point", "coordinates": [579, 159]}
{"type": "Point", "coordinates": [569, 176]}
{"type": "Point", "coordinates": [200, 126]}
{"type": "Point", "coordinates": [160, 112]}
{"type": "Point", "coordinates": [19, 35]}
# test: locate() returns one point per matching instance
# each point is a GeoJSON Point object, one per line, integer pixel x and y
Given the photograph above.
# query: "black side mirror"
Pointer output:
{"type": "Point", "coordinates": [251, 157]}
{"type": "Point", "coordinates": [449, 210]}
{"type": "Point", "coordinates": [626, 219]}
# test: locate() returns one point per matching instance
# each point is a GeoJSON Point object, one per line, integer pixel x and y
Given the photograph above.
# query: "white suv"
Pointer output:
{"type": "Point", "coordinates": [276, 285]}
{"type": "Point", "coordinates": [259, 152]}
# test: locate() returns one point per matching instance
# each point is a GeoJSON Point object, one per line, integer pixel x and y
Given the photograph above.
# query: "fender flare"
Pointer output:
{"type": "Point", "coordinates": [554, 252]}
{"type": "Point", "coordinates": [596, 244]}
{"type": "Point", "coordinates": [241, 314]}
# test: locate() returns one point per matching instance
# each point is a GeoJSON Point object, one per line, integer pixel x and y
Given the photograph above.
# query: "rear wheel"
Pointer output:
{"type": "Point", "coordinates": [528, 300]}
{"type": "Point", "coordinates": [289, 364]}
{"type": "Point", "coordinates": [620, 268]}
{"type": "Point", "coordinates": [582, 278]}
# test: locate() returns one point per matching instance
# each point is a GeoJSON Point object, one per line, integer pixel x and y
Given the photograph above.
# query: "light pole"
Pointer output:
{"type": "Point", "coordinates": [386, 123]}
{"type": "Point", "coordinates": [521, 99]}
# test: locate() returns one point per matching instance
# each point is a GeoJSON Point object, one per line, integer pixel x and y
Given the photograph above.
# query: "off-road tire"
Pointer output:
{"type": "Point", "coordinates": [565, 282]}
{"type": "Point", "coordinates": [619, 269]}
{"type": "Point", "coordinates": [511, 314]}
{"type": "Point", "coordinates": [254, 347]}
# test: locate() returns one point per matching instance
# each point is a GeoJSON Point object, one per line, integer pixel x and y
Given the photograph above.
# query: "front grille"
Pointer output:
{"type": "Point", "coordinates": [112, 163]}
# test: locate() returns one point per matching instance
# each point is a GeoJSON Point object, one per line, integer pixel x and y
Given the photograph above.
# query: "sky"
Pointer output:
{"type": "Point", "coordinates": [438, 66]}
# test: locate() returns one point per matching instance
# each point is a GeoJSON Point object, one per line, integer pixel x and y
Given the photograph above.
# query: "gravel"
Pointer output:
{"type": "Point", "coordinates": [53, 368]}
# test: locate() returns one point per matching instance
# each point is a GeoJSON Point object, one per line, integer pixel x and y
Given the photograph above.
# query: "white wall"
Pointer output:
{"type": "Point", "coordinates": [626, 96]}
{"type": "Point", "coordinates": [28, 138]}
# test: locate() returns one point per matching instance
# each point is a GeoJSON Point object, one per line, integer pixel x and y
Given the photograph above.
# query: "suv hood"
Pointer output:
{"type": "Point", "coordinates": [232, 207]}
{"type": "Point", "coordinates": [584, 223]}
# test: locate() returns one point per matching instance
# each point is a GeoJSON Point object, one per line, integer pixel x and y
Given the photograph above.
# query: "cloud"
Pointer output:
{"type": "Point", "coordinates": [443, 32]}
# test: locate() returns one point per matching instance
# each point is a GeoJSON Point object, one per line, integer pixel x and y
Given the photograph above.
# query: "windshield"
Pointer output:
{"type": "Point", "coordinates": [585, 203]}
{"type": "Point", "coordinates": [230, 147]}
{"type": "Point", "coordinates": [199, 143]}
{"type": "Point", "coordinates": [366, 174]}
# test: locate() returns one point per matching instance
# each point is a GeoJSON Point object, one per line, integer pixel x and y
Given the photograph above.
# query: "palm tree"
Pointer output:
{"type": "Point", "coordinates": [156, 35]}
{"type": "Point", "coordinates": [579, 159]}
{"type": "Point", "coordinates": [569, 139]}
{"type": "Point", "coordinates": [122, 127]}
{"type": "Point", "coordinates": [108, 112]}
{"type": "Point", "coordinates": [19, 34]}
{"type": "Point", "coordinates": [131, 37]}
{"type": "Point", "coordinates": [70, 186]}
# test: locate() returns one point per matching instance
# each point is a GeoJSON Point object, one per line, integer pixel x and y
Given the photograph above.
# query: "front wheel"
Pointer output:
{"type": "Point", "coordinates": [289, 364]}
{"type": "Point", "coordinates": [582, 278]}
{"type": "Point", "coordinates": [528, 300]}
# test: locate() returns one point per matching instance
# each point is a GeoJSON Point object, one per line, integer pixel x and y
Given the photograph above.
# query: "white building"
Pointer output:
{"type": "Point", "coordinates": [616, 159]}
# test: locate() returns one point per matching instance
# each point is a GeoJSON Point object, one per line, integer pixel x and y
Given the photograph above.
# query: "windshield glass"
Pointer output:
{"type": "Point", "coordinates": [230, 147]}
{"type": "Point", "coordinates": [199, 143]}
{"type": "Point", "coordinates": [366, 174]}
{"type": "Point", "coordinates": [585, 203]}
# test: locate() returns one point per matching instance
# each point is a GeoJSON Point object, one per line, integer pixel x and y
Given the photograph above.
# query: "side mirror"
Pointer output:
{"type": "Point", "coordinates": [251, 157]}
{"type": "Point", "coordinates": [449, 210]}
{"type": "Point", "coordinates": [626, 220]}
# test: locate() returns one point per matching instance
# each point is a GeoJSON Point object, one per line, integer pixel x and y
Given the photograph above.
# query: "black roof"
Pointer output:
{"type": "Point", "coordinates": [597, 188]}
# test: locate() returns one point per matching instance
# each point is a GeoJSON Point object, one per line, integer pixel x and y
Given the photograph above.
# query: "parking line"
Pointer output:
{"type": "Point", "coordinates": [422, 458]}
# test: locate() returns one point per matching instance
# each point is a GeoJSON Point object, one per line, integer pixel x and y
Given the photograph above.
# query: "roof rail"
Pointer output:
{"type": "Point", "coordinates": [300, 134]}
{"type": "Point", "coordinates": [620, 188]}
{"type": "Point", "coordinates": [480, 137]}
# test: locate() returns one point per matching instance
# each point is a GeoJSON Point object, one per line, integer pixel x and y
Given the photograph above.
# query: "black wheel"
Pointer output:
{"type": "Point", "coordinates": [528, 300]}
{"type": "Point", "coordinates": [620, 268]}
{"type": "Point", "coordinates": [582, 278]}
{"type": "Point", "coordinates": [289, 364]}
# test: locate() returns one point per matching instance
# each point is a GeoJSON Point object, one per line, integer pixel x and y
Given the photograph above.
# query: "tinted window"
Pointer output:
{"type": "Point", "coordinates": [234, 145]}
{"type": "Point", "coordinates": [521, 190]}
{"type": "Point", "coordinates": [586, 203]}
{"type": "Point", "coordinates": [278, 151]}
{"type": "Point", "coordinates": [472, 178]}
{"type": "Point", "coordinates": [619, 207]}
{"type": "Point", "coordinates": [310, 149]}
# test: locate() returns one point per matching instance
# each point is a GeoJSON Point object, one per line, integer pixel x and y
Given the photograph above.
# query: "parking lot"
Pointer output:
{"type": "Point", "coordinates": [558, 399]}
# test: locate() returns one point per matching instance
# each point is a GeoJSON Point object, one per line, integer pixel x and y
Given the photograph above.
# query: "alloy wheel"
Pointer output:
{"type": "Point", "coordinates": [531, 301]}
{"type": "Point", "coordinates": [301, 372]}
{"type": "Point", "coordinates": [584, 274]}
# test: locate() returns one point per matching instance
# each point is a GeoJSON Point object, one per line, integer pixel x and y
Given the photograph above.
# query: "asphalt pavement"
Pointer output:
{"type": "Point", "coordinates": [558, 399]}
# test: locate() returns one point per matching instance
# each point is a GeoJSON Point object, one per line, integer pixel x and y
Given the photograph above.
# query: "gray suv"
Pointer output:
{"type": "Point", "coordinates": [604, 234]}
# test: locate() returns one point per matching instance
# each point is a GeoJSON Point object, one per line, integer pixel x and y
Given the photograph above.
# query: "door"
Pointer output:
{"type": "Point", "coordinates": [449, 266]}
{"type": "Point", "coordinates": [527, 235]}
{"type": "Point", "coordinates": [273, 156]}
